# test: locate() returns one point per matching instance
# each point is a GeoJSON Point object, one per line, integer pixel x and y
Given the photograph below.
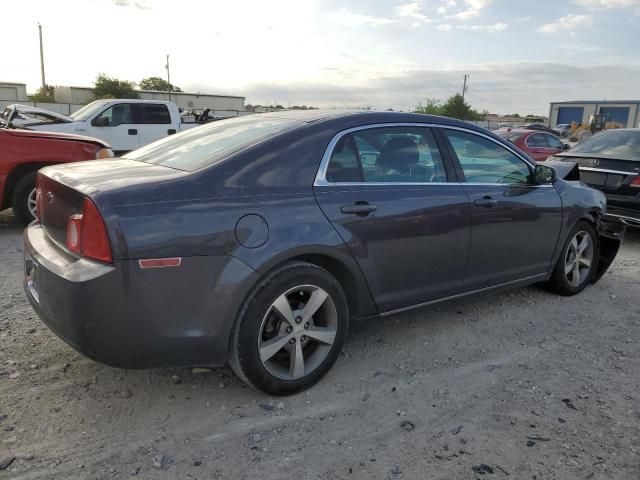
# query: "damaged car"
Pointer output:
{"type": "Point", "coordinates": [254, 241]}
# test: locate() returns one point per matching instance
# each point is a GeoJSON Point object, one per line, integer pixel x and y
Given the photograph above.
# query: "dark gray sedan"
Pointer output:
{"type": "Point", "coordinates": [256, 240]}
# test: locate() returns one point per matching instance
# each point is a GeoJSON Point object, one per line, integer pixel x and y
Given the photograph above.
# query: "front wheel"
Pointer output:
{"type": "Point", "coordinates": [23, 199]}
{"type": "Point", "coordinates": [578, 261]}
{"type": "Point", "coordinates": [290, 330]}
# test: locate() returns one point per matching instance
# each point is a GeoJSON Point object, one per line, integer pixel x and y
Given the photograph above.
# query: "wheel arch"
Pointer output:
{"type": "Point", "coordinates": [339, 264]}
{"type": "Point", "coordinates": [15, 176]}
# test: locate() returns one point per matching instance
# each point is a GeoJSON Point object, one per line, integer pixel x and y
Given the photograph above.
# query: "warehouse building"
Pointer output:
{"type": "Point", "coordinates": [625, 112]}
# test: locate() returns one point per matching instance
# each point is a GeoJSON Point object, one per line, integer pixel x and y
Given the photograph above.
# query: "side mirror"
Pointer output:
{"type": "Point", "coordinates": [566, 146]}
{"type": "Point", "coordinates": [543, 175]}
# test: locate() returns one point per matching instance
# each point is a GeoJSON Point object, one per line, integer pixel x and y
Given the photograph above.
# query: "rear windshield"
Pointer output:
{"type": "Point", "coordinates": [622, 145]}
{"type": "Point", "coordinates": [507, 135]}
{"type": "Point", "coordinates": [206, 145]}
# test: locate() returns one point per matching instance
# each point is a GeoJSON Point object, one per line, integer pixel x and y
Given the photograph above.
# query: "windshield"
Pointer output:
{"type": "Point", "coordinates": [87, 111]}
{"type": "Point", "coordinates": [622, 144]}
{"type": "Point", "coordinates": [206, 145]}
{"type": "Point", "coordinates": [5, 115]}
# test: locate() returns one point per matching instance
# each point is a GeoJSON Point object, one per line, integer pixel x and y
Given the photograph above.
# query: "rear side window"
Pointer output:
{"type": "Point", "coordinates": [204, 146]}
{"type": "Point", "coordinates": [537, 140]}
{"type": "Point", "coordinates": [387, 155]}
{"type": "Point", "coordinates": [153, 113]}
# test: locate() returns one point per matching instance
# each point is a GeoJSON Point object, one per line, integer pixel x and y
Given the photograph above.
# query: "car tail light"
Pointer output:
{"type": "Point", "coordinates": [87, 235]}
{"type": "Point", "coordinates": [635, 182]}
{"type": "Point", "coordinates": [104, 153]}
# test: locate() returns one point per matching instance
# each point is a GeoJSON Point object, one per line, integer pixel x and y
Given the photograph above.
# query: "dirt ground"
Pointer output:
{"type": "Point", "coordinates": [518, 385]}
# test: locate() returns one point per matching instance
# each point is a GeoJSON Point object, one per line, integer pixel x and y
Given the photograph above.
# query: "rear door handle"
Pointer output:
{"type": "Point", "coordinates": [486, 202]}
{"type": "Point", "coordinates": [359, 209]}
{"type": "Point", "coordinates": [132, 131]}
{"type": "Point", "coordinates": [171, 131]}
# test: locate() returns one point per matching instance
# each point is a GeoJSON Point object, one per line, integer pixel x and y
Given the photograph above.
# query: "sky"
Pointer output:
{"type": "Point", "coordinates": [519, 54]}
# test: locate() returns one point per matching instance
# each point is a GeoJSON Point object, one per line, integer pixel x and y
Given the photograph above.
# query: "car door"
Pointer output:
{"type": "Point", "coordinates": [514, 223]}
{"type": "Point", "coordinates": [115, 125]}
{"type": "Point", "coordinates": [154, 122]}
{"type": "Point", "coordinates": [387, 192]}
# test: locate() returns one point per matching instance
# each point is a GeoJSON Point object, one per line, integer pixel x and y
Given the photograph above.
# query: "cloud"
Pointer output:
{"type": "Point", "coordinates": [473, 10]}
{"type": "Point", "coordinates": [345, 16]}
{"type": "Point", "coordinates": [607, 4]}
{"type": "Point", "coordinates": [444, 27]}
{"type": "Point", "coordinates": [567, 23]}
{"type": "Point", "coordinates": [413, 10]}
{"type": "Point", "coordinates": [496, 87]}
{"type": "Point", "coordinates": [496, 27]}
{"type": "Point", "coordinates": [141, 4]}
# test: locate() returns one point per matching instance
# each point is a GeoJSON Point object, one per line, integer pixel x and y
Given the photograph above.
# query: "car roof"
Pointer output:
{"type": "Point", "coordinates": [314, 116]}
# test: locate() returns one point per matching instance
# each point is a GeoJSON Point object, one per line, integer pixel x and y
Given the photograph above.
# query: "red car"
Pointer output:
{"type": "Point", "coordinates": [538, 145]}
{"type": "Point", "coordinates": [23, 152]}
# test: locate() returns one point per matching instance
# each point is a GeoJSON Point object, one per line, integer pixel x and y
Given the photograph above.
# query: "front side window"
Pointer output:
{"type": "Point", "coordinates": [553, 142]}
{"type": "Point", "coordinates": [113, 116]}
{"type": "Point", "coordinates": [484, 161]}
{"type": "Point", "coordinates": [387, 155]}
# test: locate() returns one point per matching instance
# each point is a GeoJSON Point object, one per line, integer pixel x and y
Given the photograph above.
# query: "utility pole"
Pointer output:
{"type": "Point", "coordinates": [464, 87]}
{"type": "Point", "coordinates": [168, 77]}
{"type": "Point", "coordinates": [44, 83]}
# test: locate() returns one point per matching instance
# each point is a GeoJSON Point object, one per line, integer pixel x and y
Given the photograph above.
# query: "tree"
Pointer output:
{"type": "Point", "coordinates": [44, 94]}
{"type": "Point", "coordinates": [432, 107]}
{"type": "Point", "coordinates": [158, 84]}
{"type": "Point", "coordinates": [108, 87]}
{"type": "Point", "coordinates": [456, 107]}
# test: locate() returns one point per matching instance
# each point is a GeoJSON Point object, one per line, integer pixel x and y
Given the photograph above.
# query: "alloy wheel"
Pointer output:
{"type": "Point", "coordinates": [31, 202]}
{"type": "Point", "coordinates": [297, 332]}
{"type": "Point", "coordinates": [578, 260]}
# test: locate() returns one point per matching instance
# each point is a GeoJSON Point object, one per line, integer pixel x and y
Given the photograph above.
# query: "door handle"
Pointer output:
{"type": "Point", "coordinates": [132, 131]}
{"type": "Point", "coordinates": [363, 209]}
{"type": "Point", "coordinates": [171, 131]}
{"type": "Point", "coordinates": [486, 202]}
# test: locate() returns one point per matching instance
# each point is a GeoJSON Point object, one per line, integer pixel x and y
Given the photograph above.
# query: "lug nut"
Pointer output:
{"type": "Point", "coordinates": [306, 325]}
{"type": "Point", "coordinates": [292, 341]}
{"type": "Point", "coordinates": [289, 329]}
{"type": "Point", "coordinates": [298, 319]}
{"type": "Point", "coordinates": [303, 338]}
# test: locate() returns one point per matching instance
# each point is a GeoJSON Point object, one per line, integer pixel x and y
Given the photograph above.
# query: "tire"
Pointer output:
{"type": "Point", "coordinates": [20, 198]}
{"type": "Point", "coordinates": [565, 280]}
{"type": "Point", "coordinates": [265, 347]}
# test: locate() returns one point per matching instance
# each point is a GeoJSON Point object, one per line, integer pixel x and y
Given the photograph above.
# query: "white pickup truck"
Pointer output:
{"type": "Point", "coordinates": [123, 124]}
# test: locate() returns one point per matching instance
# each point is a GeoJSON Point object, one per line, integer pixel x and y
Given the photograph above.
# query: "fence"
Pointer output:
{"type": "Point", "coordinates": [493, 125]}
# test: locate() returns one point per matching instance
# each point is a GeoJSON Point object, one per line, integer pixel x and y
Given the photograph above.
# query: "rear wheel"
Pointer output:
{"type": "Point", "coordinates": [291, 329]}
{"type": "Point", "coordinates": [578, 261]}
{"type": "Point", "coordinates": [23, 199]}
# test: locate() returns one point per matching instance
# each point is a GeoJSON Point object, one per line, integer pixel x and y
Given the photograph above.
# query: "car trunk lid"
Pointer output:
{"type": "Point", "coordinates": [62, 189]}
{"type": "Point", "coordinates": [607, 174]}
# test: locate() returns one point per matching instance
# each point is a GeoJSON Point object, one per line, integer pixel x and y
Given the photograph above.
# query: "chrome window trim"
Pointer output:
{"type": "Point", "coordinates": [604, 170]}
{"type": "Point", "coordinates": [321, 179]}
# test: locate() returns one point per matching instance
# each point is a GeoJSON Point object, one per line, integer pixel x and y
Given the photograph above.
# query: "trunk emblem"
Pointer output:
{"type": "Point", "coordinates": [50, 197]}
{"type": "Point", "coordinates": [595, 162]}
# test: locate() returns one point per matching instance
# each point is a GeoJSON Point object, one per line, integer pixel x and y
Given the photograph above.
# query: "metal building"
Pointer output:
{"type": "Point", "coordinates": [626, 112]}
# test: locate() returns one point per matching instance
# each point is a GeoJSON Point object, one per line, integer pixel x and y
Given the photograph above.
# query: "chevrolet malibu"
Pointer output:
{"type": "Point", "coordinates": [255, 240]}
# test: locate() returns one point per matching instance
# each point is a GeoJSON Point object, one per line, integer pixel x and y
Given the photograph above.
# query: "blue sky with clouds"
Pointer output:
{"type": "Point", "coordinates": [520, 54]}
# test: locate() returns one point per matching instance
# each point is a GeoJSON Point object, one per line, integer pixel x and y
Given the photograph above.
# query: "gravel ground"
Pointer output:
{"type": "Point", "coordinates": [520, 385]}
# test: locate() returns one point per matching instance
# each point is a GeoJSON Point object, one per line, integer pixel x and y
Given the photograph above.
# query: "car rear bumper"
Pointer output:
{"type": "Point", "coordinates": [129, 317]}
{"type": "Point", "coordinates": [625, 209]}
